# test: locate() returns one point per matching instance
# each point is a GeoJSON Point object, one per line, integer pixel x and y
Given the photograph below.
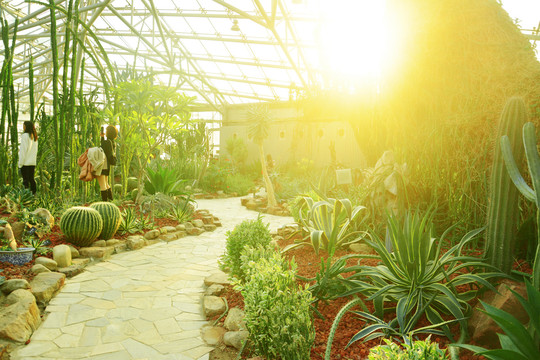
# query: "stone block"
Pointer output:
{"type": "Point", "coordinates": [168, 229]}
{"type": "Point", "coordinates": [209, 227]}
{"type": "Point", "coordinates": [99, 243]}
{"type": "Point", "coordinates": [213, 335]}
{"type": "Point", "coordinates": [208, 219]}
{"type": "Point", "coordinates": [482, 328]}
{"type": "Point", "coordinates": [38, 268]}
{"type": "Point", "coordinates": [11, 285]}
{"type": "Point", "coordinates": [219, 278]}
{"type": "Point", "coordinates": [152, 234]}
{"type": "Point", "coordinates": [62, 255]}
{"type": "Point", "coordinates": [197, 223]}
{"type": "Point", "coordinates": [71, 270]}
{"type": "Point", "coordinates": [195, 231]}
{"type": "Point", "coordinates": [74, 252]}
{"type": "Point", "coordinates": [101, 253]}
{"type": "Point", "coordinates": [251, 205]}
{"type": "Point", "coordinates": [48, 263]}
{"type": "Point", "coordinates": [214, 289]}
{"type": "Point", "coordinates": [181, 227]}
{"type": "Point", "coordinates": [168, 237]}
{"type": "Point", "coordinates": [181, 234]}
{"type": "Point", "coordinates": [45, 285]}
{"type": "Point", "coordinates": [113, 242]}
{"type": "Point", "coordinates": [135, 242]}
{"type": "Point", "coordinates": [235, 320]}
{"type": "Point", "coordinates": [120, 247]}
{"type": "Point", "coordinates": [20, 317]}
{"type": "Point", "coordinates": [81, 261]}
{"type": "Point", "coordinates": [213, 305]}
{"type": "Point", "coordinates": [235, 338]}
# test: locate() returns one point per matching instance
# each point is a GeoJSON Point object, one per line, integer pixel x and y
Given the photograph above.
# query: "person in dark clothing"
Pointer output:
{"type": "Point", "coordinates": [28, 155]}
{"type": "Point", "coordinates": [109, 148]}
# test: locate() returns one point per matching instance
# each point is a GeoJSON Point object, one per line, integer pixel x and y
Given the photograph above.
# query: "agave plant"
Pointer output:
{"type": "Point", "coordinates": [22, 197]}
{"type": "Point", "coordinates": [328, 224]}
{"type": "Point", "coordinates": [182, 210]}
{"type": "Point", "coordinates": [162, 180]}
{"type": "Point", "coordinates": [419, 277]}
{"type": "Point", "coordinates": [129, 223]}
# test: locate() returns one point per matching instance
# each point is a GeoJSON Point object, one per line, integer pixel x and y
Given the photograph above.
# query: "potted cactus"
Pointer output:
{"type": "Point", "coordinates": [9, 252]}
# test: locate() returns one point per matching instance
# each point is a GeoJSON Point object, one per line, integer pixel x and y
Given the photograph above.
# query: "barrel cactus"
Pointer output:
{"type": "Point", "coordinates": [110, 214]}
{"type": "Point", "coordinates": [81, 225]}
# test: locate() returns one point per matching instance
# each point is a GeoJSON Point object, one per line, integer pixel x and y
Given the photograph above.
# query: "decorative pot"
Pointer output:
{"type": "Point", "coordinates": [19, 257]}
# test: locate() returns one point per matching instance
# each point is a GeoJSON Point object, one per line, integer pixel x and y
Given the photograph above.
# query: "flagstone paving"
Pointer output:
{"type": "Point", "coordinates": [144, 304]}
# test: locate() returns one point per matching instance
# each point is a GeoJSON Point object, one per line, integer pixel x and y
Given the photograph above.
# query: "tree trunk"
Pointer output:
{"type": "Point", "coordinates": [267, 182]}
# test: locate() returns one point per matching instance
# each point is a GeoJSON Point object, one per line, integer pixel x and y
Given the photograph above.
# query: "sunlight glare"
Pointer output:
{"type": "Point", "coordinates": [353, 38]}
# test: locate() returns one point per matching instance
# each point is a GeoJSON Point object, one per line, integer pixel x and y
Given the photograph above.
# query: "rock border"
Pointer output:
{"type": "Point", "coordinates": [23, 304]}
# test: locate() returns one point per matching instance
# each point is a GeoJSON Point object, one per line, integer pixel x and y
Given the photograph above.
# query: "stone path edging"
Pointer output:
{"type": "Point", "coordinates": [144, 304]}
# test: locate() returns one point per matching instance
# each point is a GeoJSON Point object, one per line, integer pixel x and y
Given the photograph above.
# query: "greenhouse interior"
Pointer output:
{"type": "Point", "coordinates": [269, 179]}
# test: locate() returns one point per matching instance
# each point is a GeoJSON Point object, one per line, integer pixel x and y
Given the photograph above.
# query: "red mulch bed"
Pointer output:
{"type": "Point", "coordinates": [308, 265]}
{"type": "Point", "coordinates": [55, 237]}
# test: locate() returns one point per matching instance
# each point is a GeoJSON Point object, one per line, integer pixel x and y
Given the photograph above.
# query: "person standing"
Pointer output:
{"type": "Point", "coordinates": [109, 148]}
{"type": "Point", "coordinates": [28, 155]}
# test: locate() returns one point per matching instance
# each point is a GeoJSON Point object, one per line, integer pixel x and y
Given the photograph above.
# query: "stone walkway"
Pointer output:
{"type": "Point", "coordinates": [144, 304]}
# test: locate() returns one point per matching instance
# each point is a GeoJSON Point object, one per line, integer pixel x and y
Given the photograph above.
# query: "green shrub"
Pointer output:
{"type": "Point", "coordinates": [248, 233]}
{"type": "Point", "coordinates": [418, 350]}
{"type": "Point", "coordinates": [278, 313]}
{"type": "Point", "coordinates": [252, 255]}
{"type": "Point", "coordinates": [237, 183]}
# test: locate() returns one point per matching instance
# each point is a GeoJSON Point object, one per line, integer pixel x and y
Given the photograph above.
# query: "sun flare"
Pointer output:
{"type": "Point", "coordinates": [353, 39]}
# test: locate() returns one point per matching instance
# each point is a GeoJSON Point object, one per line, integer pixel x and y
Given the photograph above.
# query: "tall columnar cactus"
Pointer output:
{"type": "Point", "coordinates": [503, 211]}
{"type": "Point", "coordinates": [81, 225]}
{"type": "Point", "coordinates": [111, 216]}
{"type": "Point", "coordinates": [533, 161]}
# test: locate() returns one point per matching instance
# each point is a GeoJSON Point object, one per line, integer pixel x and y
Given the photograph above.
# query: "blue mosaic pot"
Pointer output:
{"type": "Point", "coordinates": [20, 257]}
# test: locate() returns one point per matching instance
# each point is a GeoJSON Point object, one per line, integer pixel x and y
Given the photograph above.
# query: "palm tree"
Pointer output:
{"type": "Point", "coordinates": [259, 116]}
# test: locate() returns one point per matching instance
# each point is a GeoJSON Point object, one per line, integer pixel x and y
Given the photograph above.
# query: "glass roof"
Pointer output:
{"type": "Point", "coordinates": [221, 51]}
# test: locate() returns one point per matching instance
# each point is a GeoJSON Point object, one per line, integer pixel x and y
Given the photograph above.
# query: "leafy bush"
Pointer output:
{"type": "Point", "coordinates": [238, 151]}
{"type": "Point", "coordinates": [249, 233]}
{"type": "Point", "coordinates": [278, 314]}
{"type": "Point", "coordinates": [518, 342]}
{"type": "Point", "coordinates": [418, 350]}
{"type": "Point", "coordinates": [216, 175]}
{"type": "Point", "coordinates": [239, 184]}
{"type": "Point", "coordinates": [252, 255]}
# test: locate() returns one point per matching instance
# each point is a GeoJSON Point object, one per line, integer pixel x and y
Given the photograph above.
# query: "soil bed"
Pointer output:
{"type": "Point", "coordinates": [308, 266]}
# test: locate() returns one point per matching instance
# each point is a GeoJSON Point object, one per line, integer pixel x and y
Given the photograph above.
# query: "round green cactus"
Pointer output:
{"type": "Point", "coordinates": [111, 216]}
{"type": "Point", "coordinates": [81, 225]}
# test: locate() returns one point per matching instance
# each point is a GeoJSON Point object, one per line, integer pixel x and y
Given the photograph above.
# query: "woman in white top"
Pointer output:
{"type": "Point", "coordinates": [28, 155]}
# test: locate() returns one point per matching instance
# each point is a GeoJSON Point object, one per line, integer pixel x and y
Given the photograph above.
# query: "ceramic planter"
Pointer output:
{"type": "Point", "coordinates": [19, 257]}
